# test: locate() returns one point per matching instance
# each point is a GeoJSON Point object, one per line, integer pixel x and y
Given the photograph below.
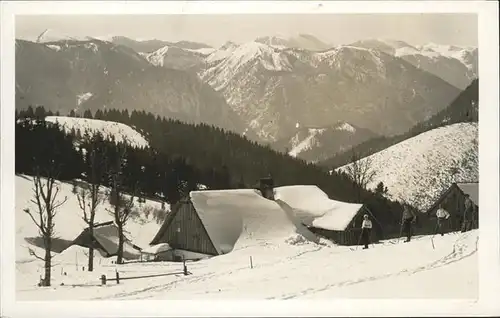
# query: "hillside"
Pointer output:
{"type": "Point", "coordinates": [464, 108]}
{"type": "Point", "coordinates": [419, 169]}
{"type": "Point", "coordinates": [118, 131]}
{"type": "Point", "coordinates": [456, 65]}
{"type": "Point", "coordinates": [273, 88]}
{"type": "Point", "coordinates": [317, 144]}
{"type": "Point", "coordinates": [95, 75]}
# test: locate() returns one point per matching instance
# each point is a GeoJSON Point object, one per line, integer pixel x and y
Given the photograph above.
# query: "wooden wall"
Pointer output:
{"type": "Point", "coordinates": [454, 202]}
{"type": "Point", "coordinates": [186, 232]}
{"type": "Point", "coordinates": [351, 235]}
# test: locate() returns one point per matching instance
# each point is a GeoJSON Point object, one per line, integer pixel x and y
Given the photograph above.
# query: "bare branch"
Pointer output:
{"type": "Point", "coordinates": [81, 202]}
{"type": "Point", "coordinates": [32, 218]}
{"type": "Point", "coordinates": [59, 204]}
{"type": "Point", "coordinates": [32, 253]}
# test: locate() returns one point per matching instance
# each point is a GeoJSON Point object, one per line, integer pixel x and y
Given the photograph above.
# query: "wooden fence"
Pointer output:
{"type": "Point", "coordinates": [117, 277]}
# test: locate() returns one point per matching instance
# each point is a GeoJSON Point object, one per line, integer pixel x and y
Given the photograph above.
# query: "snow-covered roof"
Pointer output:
{"type": "Point", "coordinates": [314, 208]}
{"type": "Point", "coordinates": [232, 216]}
{"type": "Point", "coordinates": [218, 211]}
{"type": "Point", "coordinates": [472, 189]}
{"type": "Point", "coordinates": [107, 236]}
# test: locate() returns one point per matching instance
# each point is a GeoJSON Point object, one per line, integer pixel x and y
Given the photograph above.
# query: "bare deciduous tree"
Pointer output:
{"type": "Point", "coordinates": [88, 196]}
{"type": "Point", "coordinates": [361, 171]}
{"type": "Point", "coordinates": [45, 191]}
{"type": "Point", "coordinates": [122, 207]}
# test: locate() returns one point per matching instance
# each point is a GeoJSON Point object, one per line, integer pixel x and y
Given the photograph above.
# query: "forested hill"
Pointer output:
{"type": "Point", "coordinates": [181, 153]}
{"type": "Point", "coordinates": [463, 109]}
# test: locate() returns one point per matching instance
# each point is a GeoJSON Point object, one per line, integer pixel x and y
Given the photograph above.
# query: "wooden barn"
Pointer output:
{"type": "Point", "coordinates": [453, 201]}
{"type": "Point", "coordinates": [183, 229]}
{"type": "Point", "coordinates": [105, 240]}
{"type": "Point", "coordinates": [348, 233]}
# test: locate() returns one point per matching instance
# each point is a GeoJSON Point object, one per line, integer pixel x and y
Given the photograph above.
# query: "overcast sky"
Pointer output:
{"type": "Point", "coordinates": [458, 29]}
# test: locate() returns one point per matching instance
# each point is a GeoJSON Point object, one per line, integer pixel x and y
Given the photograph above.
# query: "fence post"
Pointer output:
{"type": "Point", "coordinates": [251, 263]}
{"type": "Point", "coordinates": [117, 277]}
{"type": "Point", "coordinates": [103, 279]}
{"type": "Point", "coordinates": [184, 266]}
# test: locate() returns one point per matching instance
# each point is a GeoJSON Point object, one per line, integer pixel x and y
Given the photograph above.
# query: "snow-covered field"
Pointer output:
{"type": "Point", "coordinates": [272, 267]}
{"type": "Point", "coordinates": [119, 131]}
{"type": "Point", "coordinates": [282, 271]}
{"type": "Point", "coordinates": [419, 169]}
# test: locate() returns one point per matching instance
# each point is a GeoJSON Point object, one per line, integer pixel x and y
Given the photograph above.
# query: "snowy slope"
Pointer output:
{"type": "Point", "coordinates": [305, 144]}
{"type": "Point", "coordinates": [221, 53]}
{"type": "Point", "coordinates": [415, 270]}
{"type": "Point", "coordinates": [68, 222]}
{"type": "Point", "coordinates": [119, 131]}
{"type": "Point", "coordinates": [419, 169]}
{"type": "Point", "coordinates": [253, 52]}
{"type": "Point", "coordinates": [300, 41]}
{"type": "Point", "coordinates": [174, 57]}
{"type": "Point", "coordinates": [453, 51]}
{"type": "Point", "coordinates": [316, 144]}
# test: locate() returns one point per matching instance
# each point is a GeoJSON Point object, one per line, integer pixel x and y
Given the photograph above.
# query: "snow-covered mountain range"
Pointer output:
{"type": "Point", "coordinates": [419, 169]}
{"type": "Point", "coordinates": [262, 88]}
{"type": "Point", "coordinates": [95, 74]}
{"type": "Point", "coordinates": [273, 88]}
{"type": "Point", "coordinates": [458, 65]}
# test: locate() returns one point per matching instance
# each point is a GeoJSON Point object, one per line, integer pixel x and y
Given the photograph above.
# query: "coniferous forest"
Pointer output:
{"type": "Point", "coordinates": [180, 158]}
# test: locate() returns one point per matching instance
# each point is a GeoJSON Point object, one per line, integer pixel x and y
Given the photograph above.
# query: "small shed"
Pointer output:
{"type": "Point", "coordinates": [348, 233]}
{"type": "Point", "coordinates": [336, 220]}
{"type": "Point", "coordinates": [105, 239]}
{"type": "Point", "coordinates": [453, 201]}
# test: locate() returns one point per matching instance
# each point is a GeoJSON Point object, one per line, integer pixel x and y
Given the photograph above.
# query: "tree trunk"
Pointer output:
{"type": "Point", "coordinates": [91, 248]}
{"type": "Point", "coordinates": [48, 261]}
{"type": "Point", "coordinates": [91, 259]}
{"type": "Point", "coordinates": [119, 258]}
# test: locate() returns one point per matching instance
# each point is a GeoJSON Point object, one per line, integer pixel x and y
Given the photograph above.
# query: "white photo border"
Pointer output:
{"type": "Point", "coordinates": [489, 247]}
